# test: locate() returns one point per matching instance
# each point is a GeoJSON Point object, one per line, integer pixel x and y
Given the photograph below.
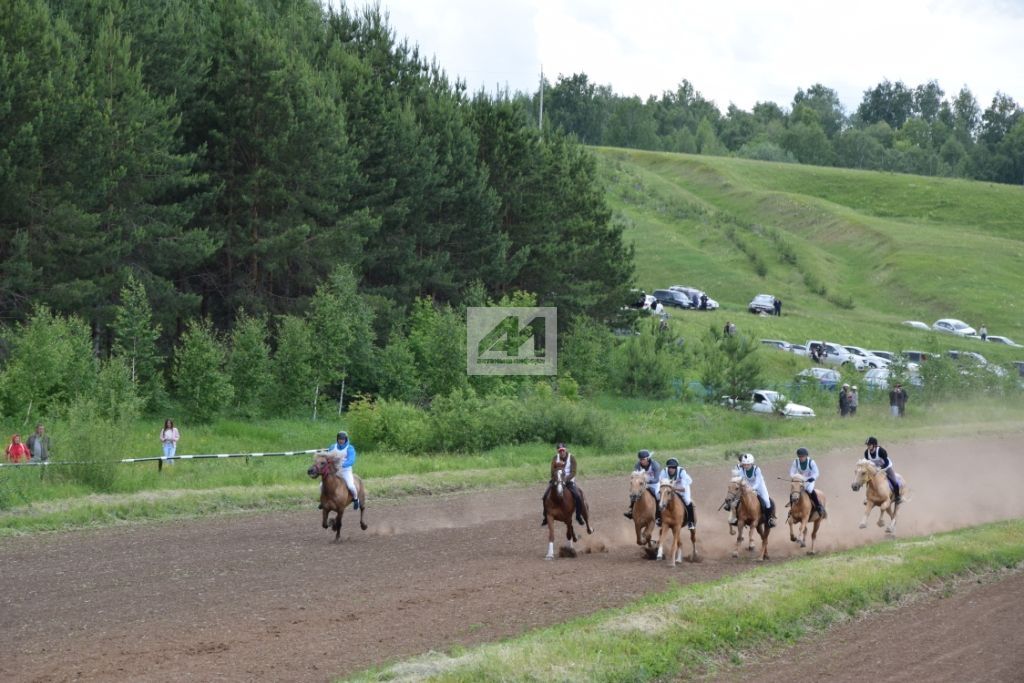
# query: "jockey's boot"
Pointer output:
{"type": "Point", "coordinates": [579, 506]}
{"type": "Point", "coordinates": [769, 515]}
{"type": "Point", "coordinates": [355, 502]}
{"type": "Point", "coordinates": [628, 514]}
{"type": "Point", "coordinates": [817, 504]}
{"type": "Point", "coordinates": [692, 523]}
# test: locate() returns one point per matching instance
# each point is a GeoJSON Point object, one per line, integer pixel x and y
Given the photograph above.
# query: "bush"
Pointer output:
{"type": "Point", "coordinates": [202, 385]}
{"type": "Point", "coordinates": [94, 450]}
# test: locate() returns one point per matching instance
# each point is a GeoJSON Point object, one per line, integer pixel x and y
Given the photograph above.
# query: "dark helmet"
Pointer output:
{"type": "Point", "coordinates": [643, 455]}
{"type": "Point", "coordinates": [671, 462]}
{"type": "Point", "coordinates": [802, 451]}
{"type": "Point", "coordinates": [872, 441]}
{"type": "Point", "coordinates": [342, 436]}
{"type": "Point", "coordinates": [561, 448]}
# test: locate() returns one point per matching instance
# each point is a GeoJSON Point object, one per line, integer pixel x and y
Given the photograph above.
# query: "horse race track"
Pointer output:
{"type": "Point", "coordinates": [271, 597]}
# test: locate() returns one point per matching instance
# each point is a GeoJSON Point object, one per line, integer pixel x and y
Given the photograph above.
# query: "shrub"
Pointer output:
{"type": "Point", "coordinates": [201, 383]}
{"type": "Point", "coordinates": [94, 450]}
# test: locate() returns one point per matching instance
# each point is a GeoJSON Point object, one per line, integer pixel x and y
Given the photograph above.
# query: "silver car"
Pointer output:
{"type": "Point", "coordinates": [953, 326]}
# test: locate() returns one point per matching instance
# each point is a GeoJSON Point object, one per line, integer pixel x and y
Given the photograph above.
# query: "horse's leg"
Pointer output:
{"type": "Point", "coordinates": [693, 542]}
{"type": "Point", "coordinates": [764, 541]}
{"type": "Point", "coordinates": [882, 509]}
{"type": "Point", "coordinates": [789, 521]}
{"type": "Point", "coordinates": [868, 507]}
{"type": "Point", "coordinates": [814, 535]}
{"type": "Point", "coordinates": [751, 528]}
{"type": "Point", "coordinates": [362, 504]}
{"type": "Point", "coordinates": [551, 535]}
{"type": "Point", "coordinates": [739, 539]}
{"type": "Point", "coordinates": [661, 541]}
{"type": "Point", "coordinates": [326, 513]}
{"type": "Point", "coordinates": [585, 511]}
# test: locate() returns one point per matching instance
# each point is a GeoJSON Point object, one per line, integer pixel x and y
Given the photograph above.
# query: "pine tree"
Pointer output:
{"type": "Point", "coordinates": [249, 364]}
{"type": "Point", "coordinates": [135, 341]}
{"type": "Point", "coordinates": [200, 381]}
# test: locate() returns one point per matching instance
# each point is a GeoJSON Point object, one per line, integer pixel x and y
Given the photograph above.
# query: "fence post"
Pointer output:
{"type": "Point", "coordinates": [160, 465]}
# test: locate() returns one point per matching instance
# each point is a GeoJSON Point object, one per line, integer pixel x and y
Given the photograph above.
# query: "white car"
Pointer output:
{"type": "Point", "coordinates": [1003, 340]}
{"type": "Point", "coordinates": [878, 378]}
{"type": "Point", "coordinates": [916, 324]}
{"type": "Point", "coordinates": [778, 344]}
{"type": "Point", "coordinates": [870, 359]}
{"type": "Point", "coordinates": [953, 326]}
{"type": "Point", "coordinates": [773, 403]}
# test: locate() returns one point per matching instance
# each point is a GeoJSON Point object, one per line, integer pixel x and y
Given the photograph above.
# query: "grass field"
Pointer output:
{"type": "Point", "coordinates": [899, 246]}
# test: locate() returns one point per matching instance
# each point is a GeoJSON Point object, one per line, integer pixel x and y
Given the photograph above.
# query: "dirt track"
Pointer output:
{"type": "Point", "coordinates": [270, 597]}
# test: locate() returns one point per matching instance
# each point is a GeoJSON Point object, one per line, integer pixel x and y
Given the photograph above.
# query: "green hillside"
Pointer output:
{"type": "Point", "coordinates": [850, 253]}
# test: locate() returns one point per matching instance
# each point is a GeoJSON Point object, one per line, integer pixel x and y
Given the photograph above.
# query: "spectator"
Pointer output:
{"type": "Point", "coordinates": [852, 401]}
{"type": "Point", "coordinates": [169, 438]}
{"type": "Point", "coordinates": [39, 444]}
{"type": "Point", "coordinates": [844, 401]}
{"type": "Point", "coordinates": [983, 332]}
{"type": "Point", "coordinates": [729, 329]}
{"type": "Point", "coordinates": [658, 309]}
{"type": "Point", "coordinates": [703, 302]}
{"type": "Point", "coordinates": [17, 450]}
{"type": "Point", "coordinates": [777, 304]}
{"type": "Point", "coordinates": [898, 401]}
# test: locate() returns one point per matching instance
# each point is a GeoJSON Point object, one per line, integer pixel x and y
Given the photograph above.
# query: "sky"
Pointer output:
{"type": "Point", "coordinates": [732, 51]}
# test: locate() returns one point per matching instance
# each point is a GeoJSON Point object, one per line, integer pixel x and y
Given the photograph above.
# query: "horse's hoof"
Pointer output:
{"type": "Point", "coordinates": [811, 552]}
{"type": "Point", "coordinates": [362, 526]}
{"type": "Point", "coordinates": [549, 557]}
{"type": "Point", "coordinates": [863, 526]}
{"type": "Point", "coordinates": [735, 554]}
{"type": "Point", "coordinates": [792, 538]}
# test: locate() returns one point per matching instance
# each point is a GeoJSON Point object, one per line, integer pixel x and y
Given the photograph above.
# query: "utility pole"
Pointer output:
{"type": "Point", "coordinates": [540, 117]}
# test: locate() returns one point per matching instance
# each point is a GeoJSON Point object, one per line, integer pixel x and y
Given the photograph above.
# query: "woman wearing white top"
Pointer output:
{"type": "Point", "coordinates": [169, 438]}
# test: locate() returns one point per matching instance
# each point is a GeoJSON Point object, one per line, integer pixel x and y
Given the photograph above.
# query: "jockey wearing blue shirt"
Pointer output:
{"type": "Point", "coordinates": [652, 470]}
{"type": "Point", "coordinates": [345, 454]}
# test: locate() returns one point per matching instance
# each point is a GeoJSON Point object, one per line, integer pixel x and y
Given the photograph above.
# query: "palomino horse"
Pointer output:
{"type": "Point", "coordinates": [878, 493]}
{"type": "Point", "coordinates": [644, 506]}
{"type": "Point", "coordinates": [744, 500]}
{"type": "Point", "coordinates": [802, 512]}
{"type": "Point", "coordinates": [334, 494]}
{"type": "Point", "coordinates": [559, 506]}
{"type": "Point", "coordinates": [673, 516]}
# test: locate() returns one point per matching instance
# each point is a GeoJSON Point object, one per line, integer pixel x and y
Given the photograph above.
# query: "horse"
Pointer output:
{"type": "Point", "coordinates": [743, 498]}
{"type": "Point", "coordinates": [878, 493]}
{"type": "Point", "coordinates": [334, 494]}
{"type": "Point", "coordinates": [643, 511]}
{"type": "Point", "coordinates": [560, 506]}
{"type": "Point", "coordinates": [673, 516]}
{"type": "Point", "coordinates": [802, 512]}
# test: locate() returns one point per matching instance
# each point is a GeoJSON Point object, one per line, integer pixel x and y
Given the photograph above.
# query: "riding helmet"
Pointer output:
{"type": "Point", "coordinates": [671, 462]}
{"type": "Point", "coordinates": [342, 435]}
{"type": "Point", "coordinates": [872, 441]}
{"type": "Point", "coordinates": [747, 459]}
{"type": "Point", "coordinates": [802, 451]}
{"type": "Point", "coordinates": [643, 455]}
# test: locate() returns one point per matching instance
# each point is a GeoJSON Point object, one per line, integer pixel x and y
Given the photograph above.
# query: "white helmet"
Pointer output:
{"type": "Point", "coordinates": [747, 459]}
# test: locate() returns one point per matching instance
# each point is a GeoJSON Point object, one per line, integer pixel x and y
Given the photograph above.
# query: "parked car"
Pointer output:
{"type": "Point", "coordinates": [887, 355]}
{"type": "Point", "coordinates": [772, 402]}
{"type": "Point", "coordinates": [669, 297]}
{"type": "Point", "coordinates": [827, 378]}
{"type": "Point", "coordinates": [953, 326]}
{"type": "Point", "coordinates": [778, 344]}
{"type": "Point", "coordinates": [870, 359]}
{"type": "Point", "coordinates": [762, 303]}
{"type": "Point", "coordinates": [973, 358]}
{"type": "Point", "coordinates": [914, 356]}
{"type": "Point", "coordinates": [997, 339]}
{"type": "Point", "coordinates": [916, 324]}
{"type": "Point", "coordinates": [830, 353]}
{"type": "Point", "coordinates": [878, 378]}
{"type": "Point", "coordinates": [695, 295]}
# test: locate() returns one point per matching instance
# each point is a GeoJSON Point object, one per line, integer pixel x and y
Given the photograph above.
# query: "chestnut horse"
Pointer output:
{"type": "Point", "coordinates": [643, 511]}
{"type": "Point", "coordinates": [878, 493]}
{"type": "Point", "coordinates": [742, 498]}
{"type": "Point", "coordinates": [673, 516]}
{"type": "Point", "coordinates": [559, 506]}
{"type": "Point", "coordinates": [334, 494]}
{"type": "Point", "coordinates": [802, 512]}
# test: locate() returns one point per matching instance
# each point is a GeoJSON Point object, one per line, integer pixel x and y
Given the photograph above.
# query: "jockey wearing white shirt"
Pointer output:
{"type": "Point", "coordinates": [751, 473]}
{"type": "Point", "coordinates": [681, 482]}
{"type": "Point", "coordinates": [878, 457]}
{"type": "Point", "coordinates": [808, 469]}
{"type": "Point", "coordinates": [652, 470]}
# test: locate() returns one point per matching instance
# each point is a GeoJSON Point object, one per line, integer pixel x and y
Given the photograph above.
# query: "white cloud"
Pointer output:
{"type": "Point", "coordinates": [742, 51]}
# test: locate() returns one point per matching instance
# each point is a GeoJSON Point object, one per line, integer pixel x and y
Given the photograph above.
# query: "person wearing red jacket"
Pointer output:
{"type": "Point", "coordinates": [17, 450]}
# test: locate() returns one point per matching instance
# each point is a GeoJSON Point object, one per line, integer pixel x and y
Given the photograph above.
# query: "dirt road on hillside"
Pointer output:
{"type": "Point", "coordinates": [271, 597]}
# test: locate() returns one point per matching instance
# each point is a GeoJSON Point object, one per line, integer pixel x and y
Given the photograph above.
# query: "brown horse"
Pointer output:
{"type": "Point", "coordinates": [559, 506]}
{"type": "Point", "coordinates": [644, 505]}
{"type": "Point", "coordinates": [334, 494]}
{"type": "Point", "coordinates": [802, 512]}
{"type": "Point", "coordinates": [673, 516]}
{"type": "Point", "coordinates": [743, 499]}
{"type": "Point", "coordinates": [878, 493]}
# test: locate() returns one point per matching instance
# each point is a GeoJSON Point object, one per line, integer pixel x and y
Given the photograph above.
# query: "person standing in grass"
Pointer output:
{"type": "Point", "coordinates": [898, 400]}
{"type": "Point", "coordinates": [852, 401]}
{"type": "Point", "coordinates": [169, 438]}
{"type": "Point", "coordinates": [983, 332]}
{"type": "Point", "coordinates": [39, 444]}
{"type": "Point", "coordinates": [16, 450]}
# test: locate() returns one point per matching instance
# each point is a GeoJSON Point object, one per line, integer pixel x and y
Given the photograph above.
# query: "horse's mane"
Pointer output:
{"type": "Point", "coordinates": [865, 461]}
{"type": "Point", "coordinates": [736, 480]}
{"type": "Point", "coordinates": [798, 477]}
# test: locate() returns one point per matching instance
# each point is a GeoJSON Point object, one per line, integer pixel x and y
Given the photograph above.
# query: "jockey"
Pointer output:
{"type": "Point", "coordinates": [751, 473]}
{"type": "Point", "coordinates": [681, 482]}
{"type": "Point", "coordinates": [345, 454]}
{"type": "Point", "coordinates": [645, 463]}
{"type": "Point", "coordinates": [878, 457]}
{"type": "Point", "coordinates": [808, 469]}
{"type": "Point", "coordinates": [565, 461]}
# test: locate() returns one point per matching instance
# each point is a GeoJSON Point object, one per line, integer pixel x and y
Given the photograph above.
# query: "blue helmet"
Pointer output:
{"type": "Point", "coordinates": [801, 451]}
{"type": "Point", "coordinates": [643, 455]}
{"type": "Point", "coordinates": [671, 462]}
{"type": "Point", "coordinates": [342, 436]}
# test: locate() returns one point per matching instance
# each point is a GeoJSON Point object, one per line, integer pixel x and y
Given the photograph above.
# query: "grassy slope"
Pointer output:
{"type": "Point", "coordinates": [903, 247]}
